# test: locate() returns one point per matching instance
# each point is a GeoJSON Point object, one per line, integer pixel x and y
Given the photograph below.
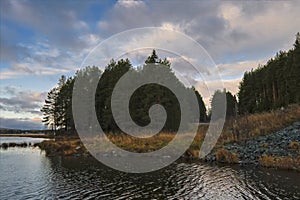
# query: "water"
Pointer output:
{"type": "Point", "coordinates": [19, 140]}
{"type": "Point", "coordinates": [26, 173]}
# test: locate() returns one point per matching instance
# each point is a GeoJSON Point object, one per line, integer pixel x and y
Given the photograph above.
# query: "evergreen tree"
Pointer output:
{"type": "Point", "coordinates": [202, 108]}
{"type": "Point", "coordinates": [58, 105]}
{"type": "Point", "coordinates": [273, 85]}
{"type": "Point", "coordinates": [50, 110]}
{"type": "Point", "coordinates": [217, 102]}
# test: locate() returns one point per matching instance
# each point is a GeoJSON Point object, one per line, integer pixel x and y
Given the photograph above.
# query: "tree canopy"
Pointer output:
{"type": "Point", "coordinates": [57, 109]}
{"type": "Point", "coordinates": [273, 85]}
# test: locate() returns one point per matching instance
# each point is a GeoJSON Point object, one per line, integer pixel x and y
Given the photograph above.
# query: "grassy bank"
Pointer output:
{"type": "Point", "coordinates": [67, 146]}
{"type": "Point", "coordinates": [235, 130]}
{"type": "Point", "coordinates": [254, 125]}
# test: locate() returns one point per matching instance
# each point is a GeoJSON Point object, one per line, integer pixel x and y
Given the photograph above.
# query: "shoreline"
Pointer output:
{"type": "Point", "coordinates": [71, 147]}
{"type": "Point", "coordinates": [32, 135]}
{"type": "Point", "coordinates": [270, 139]}
{"type": "Point", "coordinates": [279, 150]}
{"type": "Point", "coordinates": [243, 153]}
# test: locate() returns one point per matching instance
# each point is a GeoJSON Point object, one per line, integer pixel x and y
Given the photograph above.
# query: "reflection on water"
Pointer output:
{"type": "Point", "coordinates": [26, 173]}
{"type": "Point", "coordinates": [20, 140]}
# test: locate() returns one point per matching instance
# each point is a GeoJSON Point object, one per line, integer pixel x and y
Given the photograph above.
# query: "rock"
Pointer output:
{"type": "Point", "coordinates": [78, 147]}
{"type": "Point", "coordinates": [276, 144]}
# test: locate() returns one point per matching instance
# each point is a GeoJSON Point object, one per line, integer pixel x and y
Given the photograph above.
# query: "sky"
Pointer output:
{"type": "Point", "coordinates": [42, 40]}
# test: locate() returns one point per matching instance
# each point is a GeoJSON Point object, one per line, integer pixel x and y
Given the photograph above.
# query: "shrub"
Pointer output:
{"type": "Point", "coordinates": [294, 145]}
{"type": "Point", "coordinates": [280, 162]}
{"type": "Point", "coordinates": [225, 156]}
{"type": "Point", "coordinates": [12, 144]}
{"type": "Point", "coordinates": [4, 145]}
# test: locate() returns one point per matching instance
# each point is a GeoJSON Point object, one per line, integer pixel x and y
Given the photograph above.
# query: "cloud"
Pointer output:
{"type": "Point", "coordinates": [129, 3]}
{"type": "Point", "coordinates": [202, 87]}
{"type": "Point", "coordinates": [56, 20]}
{"type": "Point", "coordinates": [43, 58]}
{"type": "Point", "coordinates": [228, 30]}
{"type": "Point", "coordinates": [43, 38]}
{"type": "Point", "coordinates": [231, 75]}
{"type": "Point", "coordinates": [263, 25]}
{"type": "Point", "coordinates": [53, 37]}
{"type": "Point", "coordinates": [237, 69]}
{"type": "Point", "coordinates": [21, 123]}
{"type": "Point", "coordinates": [21, 101]}
{"type": "Point", "coordinates": [238, 35]}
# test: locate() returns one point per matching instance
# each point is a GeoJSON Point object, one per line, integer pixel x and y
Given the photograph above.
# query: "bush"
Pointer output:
{"type": "Point", "coordinates": [280, 162]}
{"type": "Point", "coordinates": [225, 156]}
{"type": "Point", "coordinates": [294, 145]}
{"type": "Point", "coordinates": [4, 145]}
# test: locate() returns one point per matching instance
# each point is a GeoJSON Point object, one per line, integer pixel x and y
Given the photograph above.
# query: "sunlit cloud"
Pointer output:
{"type": "Point", "coordinates": [43, 39]}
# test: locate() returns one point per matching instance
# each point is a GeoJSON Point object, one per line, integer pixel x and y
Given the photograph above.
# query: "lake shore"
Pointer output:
{"type": "Point", "coordinates": [270, 139]}
{"type": "Point", "coordinates": [277, 150]}
{"type": "Point", "coordinates": [32, 135]}
{"type": "Point", "coordinates": [280, 150]}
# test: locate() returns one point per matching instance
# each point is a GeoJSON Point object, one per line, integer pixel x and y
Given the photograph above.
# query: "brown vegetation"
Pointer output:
{"type": "Point", "coordinates": [225, 156]}
{"type": "Point", "coordinates": [254, 125]}
{"type": "Point", "coordinates": [295, 145]}
{"type": "Point", "coordinates": [62, 146]}
{"type": "Point", "coordinates": [280, 162]}
{"type": "Point", "coordinates": [235, 130]}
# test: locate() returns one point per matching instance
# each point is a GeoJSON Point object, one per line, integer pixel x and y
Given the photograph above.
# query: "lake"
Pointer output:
{"type": "Point", "coordinates": [26, 173]}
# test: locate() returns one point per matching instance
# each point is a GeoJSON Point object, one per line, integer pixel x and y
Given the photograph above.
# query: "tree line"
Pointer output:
{"type": "Point", "coordinates": [57, 109]}
{"type": "Point", "coordinates": [273, 85]}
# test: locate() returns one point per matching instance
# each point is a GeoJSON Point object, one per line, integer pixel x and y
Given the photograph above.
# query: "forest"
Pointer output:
{"type": "Point", "coordinates": [58, 105]}
{"type": "Point", "coordinates": [273, 85]}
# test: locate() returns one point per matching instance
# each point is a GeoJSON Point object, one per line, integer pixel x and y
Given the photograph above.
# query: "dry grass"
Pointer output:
{"type": "Point", "coordinates": [280, 162]}
{"type": "Point", "coordinates": [294, 145]}
{"type": "Point", "coordinates": [235, 130]}
{"type": "Point", "coordinates": [254, 125]}
{"type": "Point", "coordinates": [143, 145]}
{"type": "Point", "coordinates": [69, 146]}
{"type": "Point", "coordinates": [225, 156]}
{"type": "Point", "coordinates": [130, 143]}
{"type": "Point", "coordinates": [66, 146]}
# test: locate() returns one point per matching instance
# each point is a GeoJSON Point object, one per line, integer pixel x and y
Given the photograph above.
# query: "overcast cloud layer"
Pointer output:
{"type": "Point", "coordinates": [41, 40]}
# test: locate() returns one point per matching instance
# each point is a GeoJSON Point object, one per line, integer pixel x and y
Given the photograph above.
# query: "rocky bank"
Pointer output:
{"type": "Point", "coordinates": [284, 143]}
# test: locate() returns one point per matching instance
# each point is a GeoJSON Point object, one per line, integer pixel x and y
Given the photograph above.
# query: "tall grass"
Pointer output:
{"type": "Point", "coordinates": [235, 130]}
{"type": "Point", "coordinates": [254, 125]}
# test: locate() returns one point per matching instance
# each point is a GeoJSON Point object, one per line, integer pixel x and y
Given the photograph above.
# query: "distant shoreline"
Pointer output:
{"type": "Point", "coordinates": [32, 135]}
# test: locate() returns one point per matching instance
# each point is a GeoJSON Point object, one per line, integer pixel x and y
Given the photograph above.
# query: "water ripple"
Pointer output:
{"type": "Point", "coordinates": [31, 175]}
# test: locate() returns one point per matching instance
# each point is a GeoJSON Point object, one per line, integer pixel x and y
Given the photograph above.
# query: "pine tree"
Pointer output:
{"type": "Point", "coordinates": [49, 109]}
